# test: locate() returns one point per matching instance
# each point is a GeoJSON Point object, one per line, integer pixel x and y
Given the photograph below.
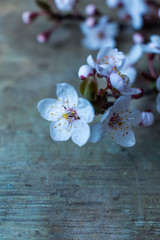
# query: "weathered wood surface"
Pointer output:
{"type": "Point", "coordinates": [58, 191]}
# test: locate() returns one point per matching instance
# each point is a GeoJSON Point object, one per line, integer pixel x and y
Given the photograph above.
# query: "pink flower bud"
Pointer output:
{"type": "Point", "coordinates": [28, 17]}
{"type": "Point", "coordinates": [43, 37]}
{"type": "Point", "coordinates": [147, 119]}
{"type": "Point", "coordinates": [138, 38]}
{"type": "Point", "coordinates": [85, 71]}
{"type": "Point", "coordinates": [91, 9]}
{"type": "Point", "coordinates": [137, 96]}
{"type": "Point", "coordinates": [90, 22]}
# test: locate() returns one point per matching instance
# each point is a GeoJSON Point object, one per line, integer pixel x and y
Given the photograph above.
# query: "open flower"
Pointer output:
{"type": "Point", "coordinates": [65, 5]}
{"type": "Point", "coordinates": [107, 59]}
{"type": "Point", "coordinates": [136, 9]}
{"type": "Point", "coordinates": [153, 46]}
{"type": "Point", "coordinates": [122, 83]}
{"type": "Point", "coordinates": [69, 115]}
{"type": "Point", "coordinates": [100, 35]}
{"type": "Point", "coordinates": [117, 122]}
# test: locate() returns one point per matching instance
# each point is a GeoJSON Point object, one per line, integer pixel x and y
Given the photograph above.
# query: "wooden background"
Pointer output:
{"type": "Point", "coordinates": [58, 191]}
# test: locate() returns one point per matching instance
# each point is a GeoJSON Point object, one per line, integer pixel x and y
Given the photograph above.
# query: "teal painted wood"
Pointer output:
{"type": "Point", "coordinates": [57, 190]}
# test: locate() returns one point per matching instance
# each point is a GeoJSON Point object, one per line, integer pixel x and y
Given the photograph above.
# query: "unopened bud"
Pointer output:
{"type": "Point", "coordinates": [43, 37]}
{"type": "Point", "coordinates": [91, 9]}
{"type": "Point", "coordinates": [85, 71]}
{"type": "Point", "coordinates": [91, 22]}
{"type": "Point", "coordinates": [29, 17]}
{"type": "Point", "coordinates": [147, 119]}
{"type": "Point", "coordinates": [138, 38]}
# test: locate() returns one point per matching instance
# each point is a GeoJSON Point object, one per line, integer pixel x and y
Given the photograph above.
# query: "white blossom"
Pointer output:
{"type": "Point", "coordinates": [107, 59]}
{"type": "Point", "coordinates": [69, 115]}
{"type": "Point", "coordinates": [65, 5]}
{"type": "Point", "coordinates": [100, 35]}
{"type": "Point", "coordinates": [117, 122]}
{"type": "Point", "coordinates": [153, 46]}
{"type": "Point", "coordinates": [136, 9]}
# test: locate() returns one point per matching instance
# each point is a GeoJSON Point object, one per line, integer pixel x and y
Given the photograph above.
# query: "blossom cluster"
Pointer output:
{"type": "Point", "coordinates": [98, 29]}
{"type": "Point", "coordinates": [74, 117]}
{"type": "Point", "coordinates": [70, 116]}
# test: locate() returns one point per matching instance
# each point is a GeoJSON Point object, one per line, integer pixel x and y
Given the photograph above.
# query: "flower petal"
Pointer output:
{"type": "Point", "coordinates": [131, 73]}
{"type": "Point", "coordinates": [59, 131]}
{"type": "Point", "coordinates": [104, 52]}
{"type": "Point", "coordinates": [134, 54]}
{"type": "Point", "coordinates": [117, 81]}
{"type": "Point", "coordinates": [80, 132]}
{"type": "Point", "coordinates": [85, 110]}
{"type": "Point", "coordinates": [134, 117]}
{"type": "Point", "coordinates": [90, 61]}
{"type": "Point", "coordinates": [131, 91]}
{"type": "Point", "coordinates": [125, 140]}
{"type": "Point", "coordinates": [158, 102]}
{"type": "Point", "coordinates": [121, 104]}
{"type": "Point", "coordinates": [49, 109]}
{"type": "Point", "coordinates": [96, 132]}
{"type": "Point", "coordinates": [158, 83]}
{"type": "Point", "coordinates": [106, 115]}
{"type": "Point", "coordinates": [67, 94]}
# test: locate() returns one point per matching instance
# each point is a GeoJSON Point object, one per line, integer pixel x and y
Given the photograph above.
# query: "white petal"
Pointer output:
{"type": "Point", "coordinates": [158, 83]}
{"type": "Point", "coordinates": [131, 72]}
{"type": "Point", "coordinates": [121, 104]}
{"type": "Point", "coordinates": [85, 110]}
{"type": "Point", "coordinates": [60, 132]}
{"type": "Point", "coordinates": [158, 102]}
{"type": "Point", "coordinates": [137, 22]}
{"type": "Point", "coordinates": [49, 109]}
{"type": "Point", "coordinates": [80, 132]}
{"type": "Point", "coordinates": [106, 115]}
{"type": "Point", "coordinates": [134, 55]}
{"type": "Point", "coordinates": [67, 93]}
{"type": "Point", "coordinates": [96, 132]}
{"type": "Point", "coordinates": [156, 40]}
{"type": "Point", "coordinates": [131, 91]}
{"type": "Point", "coordinates": [134, 117]}
{"type": "Point", "coordinates": [104, 52]}
{"type": "Point", "coordinates": [125, 140]}
{"type": "Point", "coordinates": [117, 81]}
{"type": "Point", "coordinates": [90, 61]}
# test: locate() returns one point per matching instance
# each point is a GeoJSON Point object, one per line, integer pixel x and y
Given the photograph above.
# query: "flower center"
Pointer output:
{"type": "Point", "coordinates": [101, 35]}
{"type": "Point", "coordinates": [115, 121]}
{"type": "Point", "coordinates": [70, 115]}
